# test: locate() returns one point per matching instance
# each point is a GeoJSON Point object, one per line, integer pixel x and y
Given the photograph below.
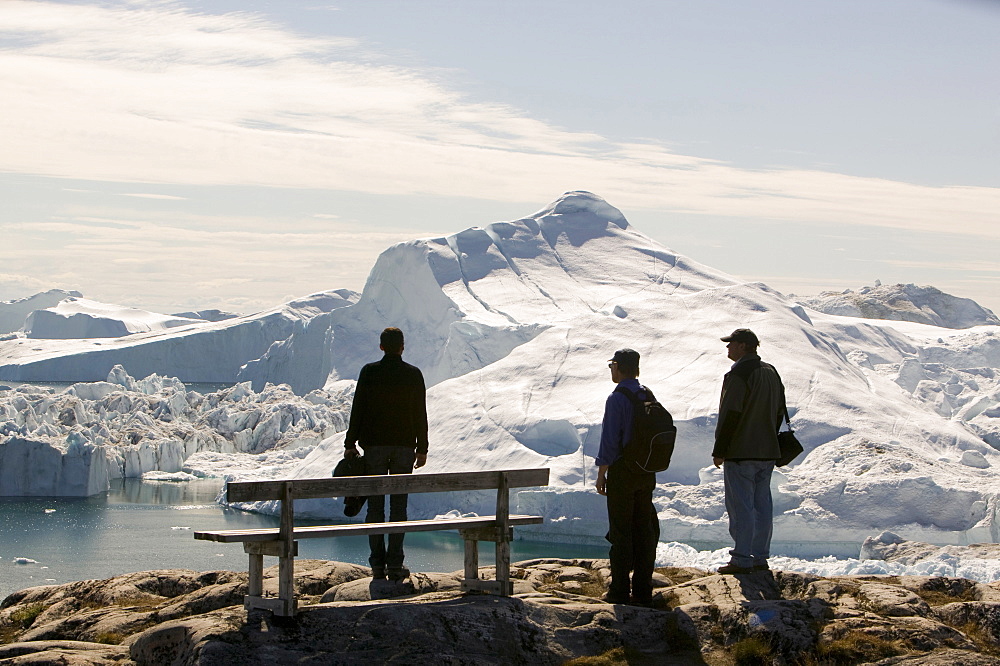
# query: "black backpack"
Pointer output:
{"type": "Point", "coordinates": [653, 434]}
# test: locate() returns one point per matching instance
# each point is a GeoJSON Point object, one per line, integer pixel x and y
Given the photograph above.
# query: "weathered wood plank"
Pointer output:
{"type": "Point", "coordinates": [255, 583]}
{"type": "Point", "coordinates": [471, 559]}
{"type": "Point", "coordinates": [321, 531]}
{"type": "Point", "coordinates": [270, 548]}
{"type": "Point", "coordinates": [280, 607]}
{"type": "Point", "coordinates": [286, 534]}
{"type": "Point", "coordinates": [394, 484]}
{"type": "Point", "coordinates": [489, 586]}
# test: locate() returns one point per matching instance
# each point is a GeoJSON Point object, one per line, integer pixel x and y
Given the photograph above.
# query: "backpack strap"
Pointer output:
{"type": "Point", "coordinates": [633, 398]}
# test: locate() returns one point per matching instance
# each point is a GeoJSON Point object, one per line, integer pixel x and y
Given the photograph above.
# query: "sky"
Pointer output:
{"type": "Point", "coordinates": [239, 154]}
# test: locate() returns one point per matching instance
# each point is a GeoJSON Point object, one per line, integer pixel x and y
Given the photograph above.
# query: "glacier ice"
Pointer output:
{"type": "Point", "coordinates": [73, 442]}
{"type": "Point", "coordinates": [512, 324]}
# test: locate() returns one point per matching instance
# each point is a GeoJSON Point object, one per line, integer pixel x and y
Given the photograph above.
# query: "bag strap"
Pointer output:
{"type": "Point", "coordinates": [633, 397]}
{"type": "Point", "coordinates": [743, 371]}
{"type": "Point", "coordinates": [784, 403]}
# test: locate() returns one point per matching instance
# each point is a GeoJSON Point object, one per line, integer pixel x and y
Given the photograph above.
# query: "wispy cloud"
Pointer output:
{"type": "Point", "coordinates": [154, 92]}
{"type": "Point", "coordinates": [140, 195]}
{"type": "Point", "coordinates": [168, 261]}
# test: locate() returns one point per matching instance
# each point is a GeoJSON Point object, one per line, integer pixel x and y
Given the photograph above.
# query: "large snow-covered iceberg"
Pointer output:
{"type": "Point", "coordinates": [83, 318]}
{"type": "Point", "coordinates": [14, 313]}
{"type": "Point", "coordinates": [513, 323]}
{"type": "Point", "coordinates": [904, 302]}
{"type": "Point", "coordinates": [199, 351]}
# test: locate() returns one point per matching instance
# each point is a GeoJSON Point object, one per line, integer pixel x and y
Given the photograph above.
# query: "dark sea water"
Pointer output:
{"type": "Point", "coordinates": [143, 525]}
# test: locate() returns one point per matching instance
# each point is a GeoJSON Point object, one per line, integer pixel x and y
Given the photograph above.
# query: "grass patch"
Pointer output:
{"type": "Point", "coordinates": [752, 651]}
{"type": "Point", "coordinates": [109, 638]}
{"type": "Point", "coordinates": [618, 656]}
{"type": "Point", "coordinates": [665, 600]}
{"type": "Point", "coordinates": [594, 586]}
{"type": "Point", "coordinates": [940, 598]}
{"type": "Point", "coordinates": [140, 601]}
{"type": "Point", "coordinates": [941, 591]}
{"type": "Point", "coordinates": [25, 617]}
{"type": "Point", "coordinates": [983, 641]}
{"type": "Point", "coordinates": [678, 575]}
{"type": "Point", "coordinates": [856, 647]}
{"type": "Point", "coordinates": [19, 620]}
{"type": "Point", "coordinates": [609, 658]}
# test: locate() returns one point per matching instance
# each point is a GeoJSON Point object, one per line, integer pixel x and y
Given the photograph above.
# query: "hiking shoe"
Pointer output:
{"type": "Point", "coordinates": [378, 573]}
{"type": "Point", "coordinates": [396, 575]}
{"type": "Point", "coordinates": [643, 602]}
{"type": "Point", "coordinates": [613, 598]}
{"type": "Point", "coordinates": [734, 569]}
{"type": "Point", "coordinates": [761, 567]}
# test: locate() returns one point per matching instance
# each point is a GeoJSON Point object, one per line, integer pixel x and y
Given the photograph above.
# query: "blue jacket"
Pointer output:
{"type": "Point", "coordinates": [616, 430]}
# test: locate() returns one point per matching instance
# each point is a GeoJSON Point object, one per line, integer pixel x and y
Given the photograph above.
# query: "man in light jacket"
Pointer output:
{"type": "Point", "coordinates": [746, 445]}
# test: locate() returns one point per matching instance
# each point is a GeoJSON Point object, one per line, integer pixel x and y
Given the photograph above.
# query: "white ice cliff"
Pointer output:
{"type": "Point", "coordinates": [512, 325]}
{"type": "Point", "coordinates": [70, 443]}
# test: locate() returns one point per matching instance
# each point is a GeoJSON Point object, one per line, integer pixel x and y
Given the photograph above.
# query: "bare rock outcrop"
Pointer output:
{"type": "Point", "coordinates": [555, 615]}
{"type": "Point", "coordinates": [890, 547]}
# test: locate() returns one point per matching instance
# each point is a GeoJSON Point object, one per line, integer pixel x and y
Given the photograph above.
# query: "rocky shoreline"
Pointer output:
{"type": "Point", "coordinates": [555, 617]}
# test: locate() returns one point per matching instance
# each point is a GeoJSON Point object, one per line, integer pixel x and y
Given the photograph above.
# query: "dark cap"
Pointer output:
{"type": "Point", "coordinates": [744, 335]}
{"type": "Point", "coordinates": [627, 360]}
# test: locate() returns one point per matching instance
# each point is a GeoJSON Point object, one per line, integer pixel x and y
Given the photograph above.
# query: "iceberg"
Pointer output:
{"type": "Point", "coordinates": [83, 318]}
{"type": "Point", "coordinates": [200, 351]}
{"type": "Point", "coordinates": [512, 324]}
{"type": "Point", "coordinates": [14, 313]}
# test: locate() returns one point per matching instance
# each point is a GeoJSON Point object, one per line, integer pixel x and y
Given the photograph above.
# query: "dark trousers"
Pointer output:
{"type": "Point", "coordinates": [387, 460]}
{"type": "Point", "coordinates": [633, 530]}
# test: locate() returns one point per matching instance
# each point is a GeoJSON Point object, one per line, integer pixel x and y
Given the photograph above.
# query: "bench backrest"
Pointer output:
{"type": "Point", "coordinates": [394, 484]}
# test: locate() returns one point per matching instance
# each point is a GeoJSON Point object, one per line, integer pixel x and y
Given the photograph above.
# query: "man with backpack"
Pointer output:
{"type": "Point", "coordinates": [633, 527]}
{"type": "Point", "coordinates": [746, 443]}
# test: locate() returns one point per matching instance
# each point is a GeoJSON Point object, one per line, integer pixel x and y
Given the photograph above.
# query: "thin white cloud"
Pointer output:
{"type": "Point", "coordinates": [155, 92]}
{"type": "Point", "coordinates": [168, 261]}
{"type": "Point", "coordinates": [140, 195]}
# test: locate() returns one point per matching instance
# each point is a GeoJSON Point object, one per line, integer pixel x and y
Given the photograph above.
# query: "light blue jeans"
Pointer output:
{"type": "Point", "coordinates": [748, 501]}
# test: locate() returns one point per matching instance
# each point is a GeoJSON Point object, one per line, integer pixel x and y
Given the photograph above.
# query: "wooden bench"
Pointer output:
{"type": "Point", "coordinates": [280, 542]}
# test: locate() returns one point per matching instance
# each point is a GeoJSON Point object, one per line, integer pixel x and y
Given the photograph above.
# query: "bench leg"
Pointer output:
{"type": "Point", "coordinates": [285, 604]}
{"type": "Point", "coordinates": [255, 586]}
{"type": "Point", "coordinates": [506, 588]}
{"type": "Point", "coordinates": [286, 584]}
{"type": "Point", "coordinates": [471, 559]}
{"type": "Point", "coordinates": [472, 583]}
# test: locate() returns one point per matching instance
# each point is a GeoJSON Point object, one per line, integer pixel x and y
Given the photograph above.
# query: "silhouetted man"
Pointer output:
{"type": "Point", "coordinates": [389, 421]}
{"type": "Point", "coordinates": [746, 443]}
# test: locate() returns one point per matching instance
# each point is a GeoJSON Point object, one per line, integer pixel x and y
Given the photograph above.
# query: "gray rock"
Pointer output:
{"type": "Point", "coordinates": [891, 600]}
{"type": "Point", "coordinates": [985, 616]}
{"type": "Point", "coordinates": [185, 617]}
{"type": "Point", "coordinates": [946, 657]}
{"type": "Point", "coordinates": [68, 653]}
{"type": "Point", "coordinates": [456, 630]}
{"type": "Point", "coordinates": [367, 589]}
{"type": "Point", "coordinates": [891, 548]}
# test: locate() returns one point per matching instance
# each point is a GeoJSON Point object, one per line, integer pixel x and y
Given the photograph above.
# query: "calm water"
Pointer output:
{"type": "Point", "coordinates": [142, 525]}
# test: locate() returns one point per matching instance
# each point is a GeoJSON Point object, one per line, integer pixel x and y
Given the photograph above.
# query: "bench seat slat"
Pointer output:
{"type": "Point", "coordinates": [362, 486]}
{"type": "Point", "coordinates": [321, 531]}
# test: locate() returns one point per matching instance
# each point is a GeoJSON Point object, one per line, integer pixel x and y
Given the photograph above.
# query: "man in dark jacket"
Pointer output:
{"type": "Point", "coordinates": [746, 442]}
{"type": "Point", "coordinates": [389, 420]}
{"type": "Point", "coordinates": [633, 527]}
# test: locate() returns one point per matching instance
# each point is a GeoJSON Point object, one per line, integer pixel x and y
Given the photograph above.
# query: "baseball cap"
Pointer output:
{"type": "Point", "coordinates": [627, 359]}
{"type": "Point", "coordinates": [742, 335]}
